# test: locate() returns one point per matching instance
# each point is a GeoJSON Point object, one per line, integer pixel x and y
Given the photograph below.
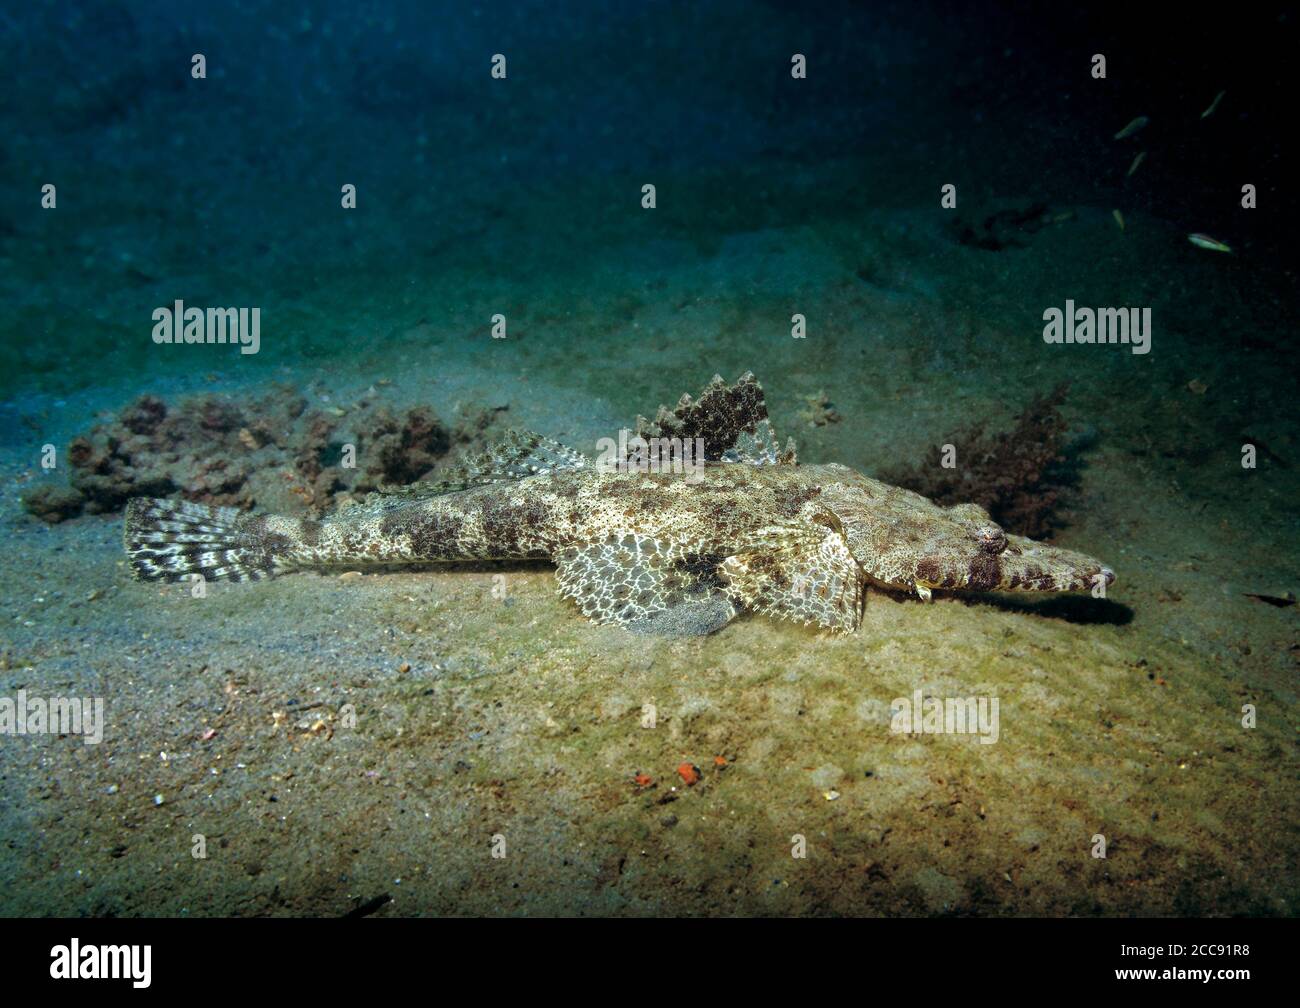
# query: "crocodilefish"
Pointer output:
{"type": "Point", "coordinates": [657, 549]}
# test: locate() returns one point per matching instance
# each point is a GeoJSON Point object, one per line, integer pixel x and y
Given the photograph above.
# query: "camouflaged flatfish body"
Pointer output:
{"type": "Point", "coordinates": [679, 549]}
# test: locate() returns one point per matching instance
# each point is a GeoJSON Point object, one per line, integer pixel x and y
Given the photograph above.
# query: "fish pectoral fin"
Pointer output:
{"type": "Point", "coordinates": [730, 419]}
{"type": "Point", "coordinates": [802, 572]}
{"type": "Point", "coordinates": [645, 585]}
{"type": "Point", "coordinates": [517, 455]}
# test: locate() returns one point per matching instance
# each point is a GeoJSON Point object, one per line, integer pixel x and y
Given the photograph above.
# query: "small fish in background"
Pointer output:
{"type": "Point", "coordinates": [1119, 218]}
{"type": "Point", "coordinates": [1137, 161]}
{"type": "Point", "coordinates": [1206, 242]}
{"type": "Point", "coordinates": [1132, 128]}
{"type": "Point", "coordinates": [1213, 105]}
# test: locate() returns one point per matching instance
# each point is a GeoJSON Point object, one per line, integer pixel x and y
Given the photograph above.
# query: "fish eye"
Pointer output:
{"type": "Point", "coordinates": [991, 539]}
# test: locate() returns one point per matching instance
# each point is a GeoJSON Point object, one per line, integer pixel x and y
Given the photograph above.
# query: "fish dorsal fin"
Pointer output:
{"type": "Point", "coordinates": [730, 419]}
{"type": "Point", "coordinates": [517, 455]}
{"type": "Point", "coordinates": [760, 448]}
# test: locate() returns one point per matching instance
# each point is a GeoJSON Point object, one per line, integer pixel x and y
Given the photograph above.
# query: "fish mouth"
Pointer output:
{"type": "Point", "coordinates": [1021, 566]}
{"type": "Point", "coordinates": [1036, 580]}
{"type": "Point", "coordinates": [1088, 581]}
{"type": "Point", "coordinates": [1027, 566]}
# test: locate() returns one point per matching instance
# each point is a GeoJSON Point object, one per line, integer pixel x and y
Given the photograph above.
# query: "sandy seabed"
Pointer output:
{"type": "Point", "coordinates": [333, 740]}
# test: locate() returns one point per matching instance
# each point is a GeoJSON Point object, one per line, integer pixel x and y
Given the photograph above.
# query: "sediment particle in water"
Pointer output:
{"type": "Point", "coordinates": [819, 411]}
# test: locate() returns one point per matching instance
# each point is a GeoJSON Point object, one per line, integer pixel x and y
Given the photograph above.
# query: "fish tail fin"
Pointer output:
{"type": "Point", "coordinates": [170, 540]}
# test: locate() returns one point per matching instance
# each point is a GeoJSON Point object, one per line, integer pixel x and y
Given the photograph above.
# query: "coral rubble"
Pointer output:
{"type": "Point", "coordinates": [270, 450]}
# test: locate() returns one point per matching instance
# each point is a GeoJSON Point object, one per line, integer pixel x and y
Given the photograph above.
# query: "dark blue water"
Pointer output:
{"type": "Point", "coordinates": [226, 190]}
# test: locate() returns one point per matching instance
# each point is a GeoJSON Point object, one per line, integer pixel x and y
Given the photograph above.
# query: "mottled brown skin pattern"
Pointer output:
{"type": "Point", "coordinates": [903, 540]}
{"type": "Point", "coordinates": [534, 517]}
{"type": "Point", "coordinates": [678, 553]}
{"type": "Point", "coordinates": [897, 538]}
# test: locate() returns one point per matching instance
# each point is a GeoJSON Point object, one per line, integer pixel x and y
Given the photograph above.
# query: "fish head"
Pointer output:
{"type": "Point", "coordinates": [902, 540]}
{"type": "Point", "coordinates": [988, 559]}
{"type": "Point", "coordinates": [964, 549]}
